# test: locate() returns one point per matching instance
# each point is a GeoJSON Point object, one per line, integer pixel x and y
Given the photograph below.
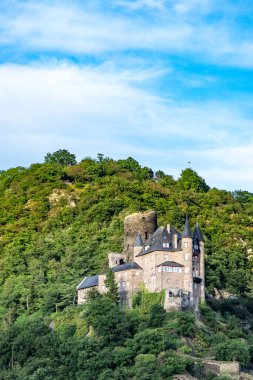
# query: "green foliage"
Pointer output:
{"type": "Point", "coordinates": [111, 285]}
{"type": "Point", "coordinates": [234, 349]}
{"type": "Point", "coordinates": [108, 321]}
{"type": "Point", "coordinates": [157, 316]}
{"type": "Point", "coordinates": [145, 301]}
{"type": "Point", "coordinates": [59, 219]}
{"type": "Point", "coordinates": [61, 156]}
{"type": "Point", "coordinates": [186, 324]}
{"type": "Point", "coordinates": [190, 180]}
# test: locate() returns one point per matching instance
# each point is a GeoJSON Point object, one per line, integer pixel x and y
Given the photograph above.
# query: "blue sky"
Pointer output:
{"type": "Point", "coordinates": [163, 81]}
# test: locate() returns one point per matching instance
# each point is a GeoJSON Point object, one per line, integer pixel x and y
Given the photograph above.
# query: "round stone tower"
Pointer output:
{"type": "Point", "coordinates": [143, 222]}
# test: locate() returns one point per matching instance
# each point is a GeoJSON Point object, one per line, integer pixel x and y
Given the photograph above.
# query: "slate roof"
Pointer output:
{"type": "Point", "coordinates": [138, 241]}
{"type": "Point", "coordinates": [157, 240]}
{"type": "Point", "coordinates": [197, 233]}
{"type": "Point", "coordinates": [127, 266]}
{"type": "Point", "coordinates": [88, 282]}
{"type": "Point", "coordinates": [170, 264]}
{"type": "Point", "coordinates": [187, 231]}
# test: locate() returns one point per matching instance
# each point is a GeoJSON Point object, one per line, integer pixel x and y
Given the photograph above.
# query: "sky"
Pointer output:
{"type": "Point", "coordinates": [166, 82]}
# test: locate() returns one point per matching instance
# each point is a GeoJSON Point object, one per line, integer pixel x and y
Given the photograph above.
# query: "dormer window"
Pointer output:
{"type": "Point", "coordinates": [172, 269]}
{"type": "Point", "coordinates": [166, 245]}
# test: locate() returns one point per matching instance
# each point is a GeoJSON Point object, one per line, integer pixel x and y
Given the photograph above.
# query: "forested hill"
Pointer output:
{"type": "Point", "coordinates": [60, 218]}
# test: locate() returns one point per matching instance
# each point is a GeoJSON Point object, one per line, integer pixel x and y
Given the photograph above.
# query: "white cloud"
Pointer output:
{"type": "Point", "coordinates": [89, 110]}
{"type": "Point", "coordinates": [78, 29]}
{"type": "Point", "coordinates": [230, 167]}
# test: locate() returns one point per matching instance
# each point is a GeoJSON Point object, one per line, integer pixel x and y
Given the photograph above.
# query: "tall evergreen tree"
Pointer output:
{"type": "Point", "coordinates": [111, 285]}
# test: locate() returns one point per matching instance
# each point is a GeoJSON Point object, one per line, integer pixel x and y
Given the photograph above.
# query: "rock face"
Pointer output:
{"type": "Point", "coordinates": [143, 222]}
{"type": "Point", "coordinates": [221, 368]}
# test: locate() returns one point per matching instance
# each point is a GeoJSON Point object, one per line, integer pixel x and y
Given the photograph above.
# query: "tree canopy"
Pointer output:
{"type": "Point", "coordinates": [190, 180]}
{"type": "Point", "coordinates": [62, 157]}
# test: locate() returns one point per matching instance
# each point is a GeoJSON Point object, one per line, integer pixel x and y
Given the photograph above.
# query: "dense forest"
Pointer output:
{"type": "Point", "coordinates": [59, 219]}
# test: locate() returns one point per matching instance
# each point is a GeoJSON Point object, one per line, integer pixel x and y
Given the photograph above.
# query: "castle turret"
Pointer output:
{"type": "Point", "coordinates": [198, 241]}
{"type": "Point", "coordinates": [186, 244]}
{"type": "Point", "coordinates": [138, 244]}
{"type": "Point", "coordinates": [197, 233]}
{"type": "Point", "coordinates": [187, 231]}
{"type": "Point", "coordinates": [143, 222]}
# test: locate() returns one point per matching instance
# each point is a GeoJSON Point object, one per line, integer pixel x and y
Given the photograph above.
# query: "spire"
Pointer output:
{"type": "Point", "coordinates": [149, 241]}
{"type": "Point", "coordinates": [138, 241]}
{"type": "Point", "coordinates": [197, 233]}
{"type": "Point", "coordinates": [187, 231]}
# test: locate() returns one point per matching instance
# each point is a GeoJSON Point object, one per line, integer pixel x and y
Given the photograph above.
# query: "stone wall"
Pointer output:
{"type": "Point", "coordinates": [143, 222]}
{"type": "Point", "coordinates": [221, 368]}
{"type": "Point", "coordinates": [115, 258]}
{"type": "Point", "coordinates": [82, 294]}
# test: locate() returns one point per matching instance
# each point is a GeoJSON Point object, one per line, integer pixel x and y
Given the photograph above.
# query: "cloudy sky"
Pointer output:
{"type": "Point", "coordinates": [163, 81]}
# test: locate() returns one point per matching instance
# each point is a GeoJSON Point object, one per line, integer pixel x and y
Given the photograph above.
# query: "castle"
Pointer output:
{"type": "Point", "coordinates": [159, 259]}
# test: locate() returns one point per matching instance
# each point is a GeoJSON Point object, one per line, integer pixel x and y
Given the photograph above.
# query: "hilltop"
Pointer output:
{"type": "Point", "coordinates": [59, 219]}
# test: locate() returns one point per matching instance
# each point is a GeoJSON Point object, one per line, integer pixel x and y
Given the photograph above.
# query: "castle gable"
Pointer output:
{"type": "Point", "coordinates": [88, 282]}
{"type": "Point", "coordinates": [162, 240]}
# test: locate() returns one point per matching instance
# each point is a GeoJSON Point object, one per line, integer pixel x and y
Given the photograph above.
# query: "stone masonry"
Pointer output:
{"type": "Point", "coordinates": [158, 259]}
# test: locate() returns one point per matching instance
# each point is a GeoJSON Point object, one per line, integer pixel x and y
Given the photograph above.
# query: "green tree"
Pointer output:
{"type": "Point", "coordinates": [190, 180]}
{"type": "Point", "coordinates": [186, 324]}
{"type": "Point", "coordinates": [111, 285]}
{"type": "Point", "coordinates": [61, 156]}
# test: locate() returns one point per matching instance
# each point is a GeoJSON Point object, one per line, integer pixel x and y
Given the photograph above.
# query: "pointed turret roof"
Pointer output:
{"type": "Point", "coordinates": [187, 231]}
{"type": "Point", "coordinates": [149, 241]}
{"type": "Point", "coordinates": [197, 233]}
{"type": "Point", "coordinates": [138, 241]}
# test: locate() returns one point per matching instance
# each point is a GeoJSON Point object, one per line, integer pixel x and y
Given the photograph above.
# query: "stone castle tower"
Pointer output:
{"type": "Point", "coordinates": [144, 223]}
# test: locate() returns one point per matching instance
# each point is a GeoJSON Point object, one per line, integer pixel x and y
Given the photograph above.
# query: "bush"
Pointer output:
{"type": "Point", "coordinates": [186, 324]}
{"type": "Point", "coordinates": [235, 349]}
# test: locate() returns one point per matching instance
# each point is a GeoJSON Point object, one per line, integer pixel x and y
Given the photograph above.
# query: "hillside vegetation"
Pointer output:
{"type": "Point", "coordinates": [58, 220]}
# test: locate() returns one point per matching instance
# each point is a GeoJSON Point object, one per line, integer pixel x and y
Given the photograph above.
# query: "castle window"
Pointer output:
{"type": "Point", "coordinates": [166, 257]}
{"type": "Point", "coordinates": [137, 273]}
{"type": "Point", "coordinates": [167, 269]}
{"type": "Point", "coordinates": [146, 235]}
{"type": "Point", "coordinates": [185, 244]}
{"type": "Point", "coordinates": [172, 269]}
